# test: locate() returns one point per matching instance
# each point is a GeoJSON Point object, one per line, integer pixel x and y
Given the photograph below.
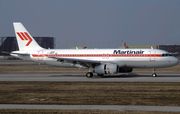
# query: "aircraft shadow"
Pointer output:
{"type": "Point", "coordinates": [130, 75]}
{"type": "Point", "coordinates": [133, 75]}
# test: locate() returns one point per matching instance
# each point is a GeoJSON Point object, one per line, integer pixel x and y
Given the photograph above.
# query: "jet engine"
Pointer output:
{"type": "Point", "coordinates": [106, 69]}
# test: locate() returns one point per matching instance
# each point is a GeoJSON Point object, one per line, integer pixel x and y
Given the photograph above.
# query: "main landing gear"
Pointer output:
{"type": "Point", "coordinates": [89, 75]}
{"type": "Point", "coordinates": [154, 74]}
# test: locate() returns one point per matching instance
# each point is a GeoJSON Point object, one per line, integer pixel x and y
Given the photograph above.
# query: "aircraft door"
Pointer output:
{"type": "Point", "coordinates": [152, 55]}
{"type": "Point", "coordinates": [40, 56]}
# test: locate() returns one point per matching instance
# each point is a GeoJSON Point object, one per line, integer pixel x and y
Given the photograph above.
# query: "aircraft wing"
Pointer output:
{"type": "Point", "coordinates": [82, 62]}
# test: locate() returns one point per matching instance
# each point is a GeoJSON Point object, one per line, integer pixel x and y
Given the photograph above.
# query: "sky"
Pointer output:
{"type": "Point", "coordinates": [95, 23]}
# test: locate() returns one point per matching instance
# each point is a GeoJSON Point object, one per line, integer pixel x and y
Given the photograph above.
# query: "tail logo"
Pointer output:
{"type": "Point", "coordinates": [25, 36]}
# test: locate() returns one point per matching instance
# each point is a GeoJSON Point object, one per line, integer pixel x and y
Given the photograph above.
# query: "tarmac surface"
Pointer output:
{"type": "Point", "coordinates": [93, 107]}
{"type": "Point", "coordinates": [81, 77]}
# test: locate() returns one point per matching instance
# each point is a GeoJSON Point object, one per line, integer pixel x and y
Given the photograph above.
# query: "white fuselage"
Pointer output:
{"type": "Point", "coordinates": [133, 58]}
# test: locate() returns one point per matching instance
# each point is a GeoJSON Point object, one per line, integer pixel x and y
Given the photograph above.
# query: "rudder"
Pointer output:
{"type": "Point", "coordinates": [24, 39]}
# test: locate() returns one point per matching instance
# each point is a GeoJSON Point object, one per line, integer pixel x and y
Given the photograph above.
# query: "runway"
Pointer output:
{"type": "Point", "coordinates": [81, 77]}
{"type": "Point", "coordinates": [93, 107]}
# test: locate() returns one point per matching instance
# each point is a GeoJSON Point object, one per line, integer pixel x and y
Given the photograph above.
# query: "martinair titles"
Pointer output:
{"type": "Point", "coordinates": [128, 52]}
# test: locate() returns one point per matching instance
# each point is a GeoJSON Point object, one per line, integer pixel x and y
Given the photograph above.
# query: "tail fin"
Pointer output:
{"type": "Point", "coordinates": [24, 39]}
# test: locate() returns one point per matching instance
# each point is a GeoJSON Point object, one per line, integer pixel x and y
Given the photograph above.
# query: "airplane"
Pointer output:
{"type": "Point", "coordinates": [99, 61]}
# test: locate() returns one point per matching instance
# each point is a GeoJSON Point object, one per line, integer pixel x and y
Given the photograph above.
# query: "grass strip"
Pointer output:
{"type": "Point", "coordinates": [91, 93]}
{"type": "Point", "coordinates": [46, 111]}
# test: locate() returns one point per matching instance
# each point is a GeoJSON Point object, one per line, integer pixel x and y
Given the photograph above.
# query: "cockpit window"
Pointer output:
{"type": "Point", "coordinates": [166, 54]}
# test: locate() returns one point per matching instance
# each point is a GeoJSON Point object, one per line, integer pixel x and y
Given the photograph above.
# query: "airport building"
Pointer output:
{"type": "Point", "coordinates": [8, 44]}
{"type": "Point", "coordinates": [173, 49]}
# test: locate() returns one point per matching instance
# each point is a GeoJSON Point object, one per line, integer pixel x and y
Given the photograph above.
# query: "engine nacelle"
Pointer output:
{"type": "Point", "coordinates": [106, 69]}
{"type": "Point", "coordinates": [125, 69]}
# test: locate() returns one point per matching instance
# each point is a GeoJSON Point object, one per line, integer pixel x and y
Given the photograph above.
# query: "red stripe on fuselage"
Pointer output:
{"type": "Point", "coordinates": [97, 55]}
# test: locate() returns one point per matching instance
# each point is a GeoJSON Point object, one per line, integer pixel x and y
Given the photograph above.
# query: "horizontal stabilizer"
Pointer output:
{"type": "Point", "coordinates": [20, 53]}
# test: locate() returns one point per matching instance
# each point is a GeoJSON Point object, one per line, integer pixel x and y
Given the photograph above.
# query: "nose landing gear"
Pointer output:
{"type": "Point", "coordinates": [154, 74]}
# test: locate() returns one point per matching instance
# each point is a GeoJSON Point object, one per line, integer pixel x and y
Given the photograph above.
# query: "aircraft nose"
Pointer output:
{"type": "Point", "coordinates": [175, 61]}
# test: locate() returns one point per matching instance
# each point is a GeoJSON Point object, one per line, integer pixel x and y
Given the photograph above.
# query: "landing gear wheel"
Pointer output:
{"type": "Point", "coordinates": [100, 74]}
{"type": "Point", "coordinates": [154, 75]}
{"type": "Point", "coordinates": [89, 75]}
